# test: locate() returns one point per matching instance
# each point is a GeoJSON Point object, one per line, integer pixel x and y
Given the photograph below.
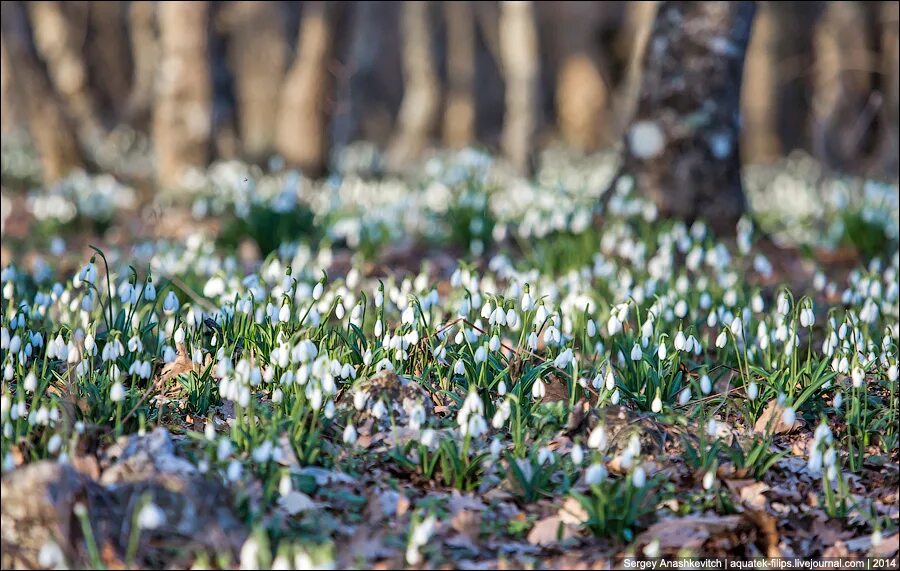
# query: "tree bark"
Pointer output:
{"type": "Point", "coordinates": [108, 57]}
{"type": "Point", "coordinates": [257, 55]}
{"type": "Point", "coordinates": [519, 63]}
{"type": "Point", "coordinates": [889, 22]}
{"type": "Point", "coordinates": [301, 133]}
{"type": "Point", "coordinates": [419, 109]}
{"type": "Point", "coordinates": [459, 112]}
{"type": "Point", "coordinates": [60, 30]}
{"type": "Point", "coordinates": [581, 91]}
{"type": "Point", "coordinates": [683, 146]}
{"type": "Point", "coordinates": [51, 129]}
{"type": "Point", "coordinates": [145, 53]}
{"type": "Point", "coordinates": [844, 111]}
{"type": "Point", "coordinates": [182, 109]}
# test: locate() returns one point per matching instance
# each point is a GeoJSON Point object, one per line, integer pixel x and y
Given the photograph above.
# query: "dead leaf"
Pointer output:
{"type": "Point", "coordinates": [771, 420]}
{"type": "Point", "coordinates": [689, 532]}
{"type": "Point", "coordinates": [549, 531]}
{"type": "Point", "coordinates": [750, 492]}
{"type": "Point", "coordinates": [572, 512]}
{"type": "Point", "coordinates": [182, 364]}
{"type": "Point", "coordinates": [296, 502]}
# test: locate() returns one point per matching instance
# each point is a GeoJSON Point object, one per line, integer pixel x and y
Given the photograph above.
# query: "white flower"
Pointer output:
{"type": "Point", "coordinates": [350, 434]}
{"type": "Point", "coordinates": [150, 516]}
{"type": "Point", "coordinates": [705, 384]}
{"type": "Point", "coordinates": [752, 390]}
{"type": "Point", "coordinates": [858, 376]}
{"type": "Point", "coordinates": [317, 291]}
{"type": "Point", "coordinates": [538, 390]}
{"type": "Point", "coordinates": [577, 454]}
{"type": "Point", "coordinates": [685, 396]}
{"type": "Point", "coordinates": [639, 477]}
{"type": "Point", "coordinates": [117, 392]}
{"type": "Point", "coordinates": [721, 339]}
{"type": "Point", "coordinates": [598, 439]}
{"type": "Point", "coordinates": [789, 416]}
{"type": "Point", "coordinates": [595, 474]}
{"type": "Point", "coordinates": [636, 353]}
{"type": "Point", "coordinates": [656, 405]}
{"type": "Point", "coordinates": [709, 479]}
{"type": "Point", "coordinates": [661, 352]}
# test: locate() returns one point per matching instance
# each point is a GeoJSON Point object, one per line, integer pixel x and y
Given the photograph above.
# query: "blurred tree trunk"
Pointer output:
{"type": "Point", "coordinates": [889, 153]}
{"type": "Point", "coordinates": [792, 29]}
{"type": "Point", "coordinates": [52, 130]}
{"type": "Point", "coordinates": [683, 146]}
{"type": "Point", "coordinates": [581, 91]}
{"type": "Point", "coordinates": [145, 53]}
{"type": "Point", "coordinates": [257, 55]}
{"type": "Point", "coordinates": [637, 26]}
{"type": "Point", "coordinates": [9, 106]}
{"type": "Point", "coordinates": [519, 61]}
{"type": "Point", "coordinates": [182, 108]}
{"type": "Point", "coordinates": [108, 58]}
{"type": "Point", "coordinates": [844, 110]}
{"type": "Point", "coordinates": [301, 132]}
{"type": "Point", "coordinates": [759, 102]}
{"type": "Point", "coordinates": [60, 30]}
{"type": "Point", "coordinates": [421, 96]}
{"type": "Point", "coordinates": [459, 113]}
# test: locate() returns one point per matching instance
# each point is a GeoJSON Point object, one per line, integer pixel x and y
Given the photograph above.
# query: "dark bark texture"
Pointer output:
{"type": "Point", "coordinates": [683, 145]}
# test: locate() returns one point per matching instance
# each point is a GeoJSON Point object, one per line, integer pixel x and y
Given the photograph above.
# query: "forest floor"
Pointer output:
{"type": "Point", "coordinates": [449, 368]}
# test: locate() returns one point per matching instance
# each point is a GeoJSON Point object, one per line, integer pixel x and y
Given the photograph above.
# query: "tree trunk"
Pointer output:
{"type": "Point", "coordinates": [10, 107]}
{"type": "Point", "coordinates": [890, 89]}
{"type": "Point", "coordinates": [419, 109]}
{"type": "Point", "coordinates": [257, 55]}
{"type": "Point", "coordinates": [844, 110]}
{"type": "Point", "coordinates": [60, 29]}
{"type": "Point", "coordinates": [519, 63]}
{"type": "Point", "coordinates": [145, 53]}
{"type": "Point", "coordinates": [301, 137]}
{"type": "Point", "coordinates": [182, 111]}
{"type": "Point", "coordinates": [109, 58]}
{"type": "Point", "coordinates": [581, 91]}
{"type": "Point", "coordinates": [638, 23]}
{"type": "Point", "coordinates": [459, 113]}
{"type": "Point", "coordinates": [52, 130]}
{"type": "Point", "coordinates": [683, 146]}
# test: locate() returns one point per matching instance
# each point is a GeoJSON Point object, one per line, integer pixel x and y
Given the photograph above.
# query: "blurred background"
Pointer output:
{"type": "Point", "coordinates": [151, 90]}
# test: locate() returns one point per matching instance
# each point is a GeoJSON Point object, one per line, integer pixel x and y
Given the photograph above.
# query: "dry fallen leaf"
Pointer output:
{"type": "Point", "coordinates": [771, 420]}
{"type": "Point", "coordinates": [296, 502]}
{"type": "Point", "coordinates": [689, 532]}
{"type": "Point", "coordinates": [549, 531]}
{"type": "Point", "coordinates": [572, 512]}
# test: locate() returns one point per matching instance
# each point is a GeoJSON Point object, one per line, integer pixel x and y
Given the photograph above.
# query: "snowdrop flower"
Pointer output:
{"type": "Point", "coordinates": [577, 454]}
{"type": "Point", "coordinates": [538, 390]}
{"type": "Point", "coordinates": [150, 291]}
{"type": "Point", "coordinates": [721, 340]}
{"type": "Point", "coordinates": [789, 416]}
{"type": "Point", "coordinates": [661, 352]}
{"type": "Point", "coordinates": [709, 479]}
{"type": "Point", "coordinates": [752, 390]}
{"type": "Point", "coordinates": [684, 396]}
{"type": "Point", "coordinates": [318, 290]}
{"type": "Point", "coordinates": [636, 353]}
{"type": "Point", "coordinates": [598, 438]}
{"type": "Point", "coordinates": [117, 392]}
{"type": "Point", "coordinates": [350, 434]}
{"type": "Point", "coordinates": [639, 477]}
{"type": "Point", "coordinates": [595, 474]}
{"type": "Point", "coordinates": [150, 517]}
{"type": "Point", "coordinates": [656, 405]}
{"type": "Point", "coordinates": [705, 384]}
{"type": "Point", "coordinates": [496, 447]}
{"type": "Point", "coordinates": [614, 398]}
{"type": "Point", "coordinates": [858, 376]}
